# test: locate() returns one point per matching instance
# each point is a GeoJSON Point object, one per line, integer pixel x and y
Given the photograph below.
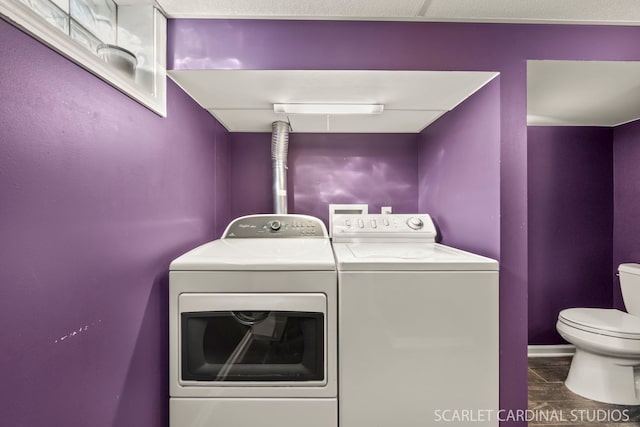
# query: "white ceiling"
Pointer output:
{"type": "Point", "coordinates": [242, 100]}
{"type": "Point", "coordinates": [582, 93]}
{"type": "Point", "coordinates": [612, 12]}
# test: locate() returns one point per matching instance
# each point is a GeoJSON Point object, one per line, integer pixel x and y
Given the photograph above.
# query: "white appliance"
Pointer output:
{"type": "Point", "coordinates": [418, 324]}
{"type": "Point", "coordinates": [606, 366]}
{"type": "Point", "coordinates": [253, 327]}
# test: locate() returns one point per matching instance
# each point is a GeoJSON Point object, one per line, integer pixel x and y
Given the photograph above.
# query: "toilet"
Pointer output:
{"type": "Point", "coordinates": [606, 365]}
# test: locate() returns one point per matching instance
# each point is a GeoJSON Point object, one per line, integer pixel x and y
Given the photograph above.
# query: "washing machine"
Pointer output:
{"type": "Point", "coordinates": [253, 327]}
{"type": "Point", "coordinates": [418, 324]}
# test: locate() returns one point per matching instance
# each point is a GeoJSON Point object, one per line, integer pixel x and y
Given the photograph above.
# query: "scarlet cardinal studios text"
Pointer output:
{"type": "Point", "coordinates": [535, 415]}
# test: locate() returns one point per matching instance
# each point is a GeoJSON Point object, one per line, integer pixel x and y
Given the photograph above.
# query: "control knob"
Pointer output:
{"type": "Point", "coordinates": [415, 223]}
{"type": "Point", "coordinates": [275, 225]}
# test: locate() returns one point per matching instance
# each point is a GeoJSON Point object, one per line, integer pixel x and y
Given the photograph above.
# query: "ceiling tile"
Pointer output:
{"type": "Point", "coordinates": [435, 90]}
{"type": "Point", "coordinates": [549, 11]}
{"type": "Point", "coordinates": [292, 8]}
{"type": "Point", "coordinates": [387, 122]}
{"type": "Point", "coordinates": [611, 12]}
{"type": "Point", "coordinates": [246, 120]}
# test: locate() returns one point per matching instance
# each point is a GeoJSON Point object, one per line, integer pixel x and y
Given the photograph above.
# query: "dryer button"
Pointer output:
{"type": "Point", "coordinates": [275, 225]}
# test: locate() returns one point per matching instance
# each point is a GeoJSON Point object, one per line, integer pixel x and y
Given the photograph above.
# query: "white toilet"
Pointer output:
{"type": "Point", "coordinates": [606, 366]}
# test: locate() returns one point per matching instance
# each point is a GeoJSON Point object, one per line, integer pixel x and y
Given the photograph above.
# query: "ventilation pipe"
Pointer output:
{"type": "Point", "coordinates": [279, 149]}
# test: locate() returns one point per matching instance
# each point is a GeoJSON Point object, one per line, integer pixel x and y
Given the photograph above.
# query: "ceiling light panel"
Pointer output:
{"type": "Point", "coordinates": [330, 108]}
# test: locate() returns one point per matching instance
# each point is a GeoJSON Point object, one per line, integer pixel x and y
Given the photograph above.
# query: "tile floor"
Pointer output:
{"type": "Point", "coordinates": [554, 405]}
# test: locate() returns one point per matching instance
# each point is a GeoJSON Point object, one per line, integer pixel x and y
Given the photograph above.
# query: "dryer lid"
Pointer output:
{"type": "Point", "coordinates": [602, 321]}
{"type": "Point", "coordinates": [258, 255]}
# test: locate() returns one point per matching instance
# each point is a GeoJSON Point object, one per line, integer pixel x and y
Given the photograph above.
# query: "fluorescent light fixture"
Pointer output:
{"type": "Point", "coordinates": [328, 108]}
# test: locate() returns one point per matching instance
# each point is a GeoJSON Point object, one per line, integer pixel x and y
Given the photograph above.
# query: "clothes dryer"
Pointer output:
{"type": "Point", "coordinates": [418, 324]}
{"type": "Point", "coordinates": [253, 327]}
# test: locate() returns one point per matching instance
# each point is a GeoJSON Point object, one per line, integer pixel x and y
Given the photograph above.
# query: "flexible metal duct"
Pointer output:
{"type": "Point", "coordinates": [279, 149]}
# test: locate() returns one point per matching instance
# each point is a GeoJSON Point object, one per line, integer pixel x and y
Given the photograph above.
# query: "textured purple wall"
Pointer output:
{"type": "Point", "coordinates": [242, 44]}
{"type": "Point", "coordinates": [459, 172]}
{"type": "Point", "coordinates": [334, 45]}
{"type": "Point", "coordinates": [626, 223]}
{"type": "Point", "coordinates": [570, 224]}
{"type": "Point", "coordinates": [379, 169]}
{"type": "Point", "coordinates": [98, 196]}
{"type": "Point", "coordinates": [222, 190]}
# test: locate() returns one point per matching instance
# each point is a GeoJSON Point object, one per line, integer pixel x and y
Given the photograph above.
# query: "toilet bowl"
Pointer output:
{"type": "Point", "coordinates": [606, 365]}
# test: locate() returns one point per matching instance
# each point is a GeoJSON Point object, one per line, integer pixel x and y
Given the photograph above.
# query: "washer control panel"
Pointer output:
{"type": "Point", "coordinates": [384, 227]}
{"type": "Point", "coordinates": [275, 226]}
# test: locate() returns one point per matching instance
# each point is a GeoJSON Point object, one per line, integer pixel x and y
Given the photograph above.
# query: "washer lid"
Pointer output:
{"type": "Point", "coordinates": [610, 322]}
{"type": "Point", "coordinates": [258, 254]}
{"type": "Point", "coordinates": [408, 257]}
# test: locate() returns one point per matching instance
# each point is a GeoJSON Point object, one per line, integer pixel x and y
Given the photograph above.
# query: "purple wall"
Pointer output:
{"type": "Point", "coordinates": [379, 169]}
{"type": "Point", "coordinates": [570, 224]}
{"type": "Point", "coordinates": [98, 196]}
{"type": "Point", "coordinates": [242, 44]}
{"type": "Point", "coordinates": [222, 189]}
{"type": "Point", "coordinates": [626, 223]}
{"type": "Point", "coordinates": [459, 172]}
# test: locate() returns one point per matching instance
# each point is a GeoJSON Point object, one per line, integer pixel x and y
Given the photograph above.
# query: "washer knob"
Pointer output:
{"type": "Point", "coordinates": [275, 225]}
{"type": "Point", "coordinates": [415, 223]}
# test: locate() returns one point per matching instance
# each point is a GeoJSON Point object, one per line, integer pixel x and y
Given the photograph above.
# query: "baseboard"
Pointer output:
{"type": "Point", "coordinates": [551, 350]}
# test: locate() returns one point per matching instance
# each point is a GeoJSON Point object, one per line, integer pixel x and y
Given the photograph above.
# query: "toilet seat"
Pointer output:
{"type": "Point", "coordinates": [608, 322]}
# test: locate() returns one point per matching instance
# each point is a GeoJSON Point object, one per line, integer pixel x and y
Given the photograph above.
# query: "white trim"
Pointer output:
{"type": "Point", "coordinates": [24, 18]}
{"type": "Point", "coordinates": [551, 350]}
{"type": "Point", "coordinates": [428, 19]}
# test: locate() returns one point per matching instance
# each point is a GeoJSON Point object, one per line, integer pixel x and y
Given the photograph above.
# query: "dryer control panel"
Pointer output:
{"type": "Point", "coordinates": [275, 226]}
{"type": "Point", "coordinates": [383, 227]}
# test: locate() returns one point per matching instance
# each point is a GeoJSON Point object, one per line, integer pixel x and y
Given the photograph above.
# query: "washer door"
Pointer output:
{"type": "Point", "coordinates": [252, 339]}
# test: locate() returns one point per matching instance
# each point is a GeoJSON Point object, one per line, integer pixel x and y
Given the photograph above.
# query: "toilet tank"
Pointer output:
{"type": "Point", "coordinates": [630, 286]}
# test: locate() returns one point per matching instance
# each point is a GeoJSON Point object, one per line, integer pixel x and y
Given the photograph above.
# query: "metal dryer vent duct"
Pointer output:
{"type": "Point", "coordinates": [279, 149]}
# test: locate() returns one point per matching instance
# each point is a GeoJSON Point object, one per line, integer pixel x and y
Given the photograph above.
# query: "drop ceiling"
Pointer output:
{"type": "Point", "coordinates": [242, 100]}
{"type": "Point", "coordinates": [582, 93]}
{"type": "Point", "coordinates": [610, 12]}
